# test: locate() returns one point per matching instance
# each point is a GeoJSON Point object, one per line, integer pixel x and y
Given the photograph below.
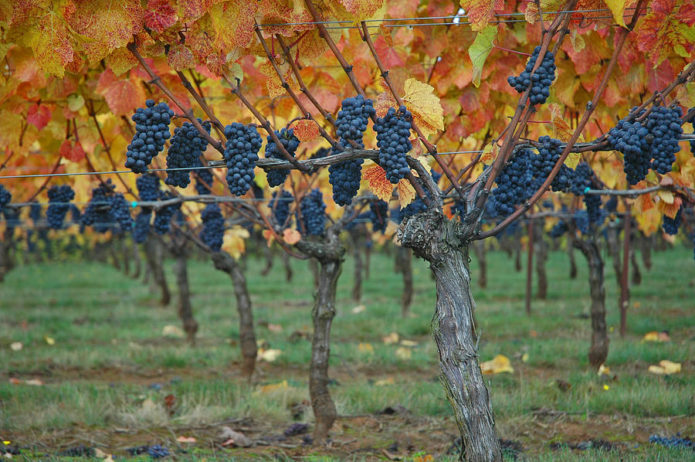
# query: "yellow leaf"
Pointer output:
{"type": "Point", "coordinates": [403, 353]}
{"type": "Point", "coordinates": [291, 236]}
{"type": "Point", "coordinates": [524, 357]}
{"type": "Point", "coordinates": [172, 331]}
{"type": "Point", "coordinates": [573, 160]}
{"type": "Point", "coordinates": [408, 343]}
{"type": "Point", "coordinates": [384, 382]}
{"type": "Point", "coordinates": [425, 105]}
{"type": "Point", "coordinates": [358, 309]}
{"type": "Point", "coordinates": [497, 365]}
{"type": "Point", "coordinates": [406, 192]}
{"type": "Point", "coordinates": [655, 336]}
{"type": "Point", "coordinates": [50, 340]}
{"type": "Point", "coordinates": [488, 154]}
{"type": "Point", "coordinates": [375, 176]}
{"type": "Point", "coordinates": [666, 196]}
{"type": "Point", "coordinates": [604, 370]}
{"type": "Point", "coordinates": [617, 8]}
{"type": "Point", "coordinates": [391, 338]}
{"type": "Point", "coordinates": [274, 387]}
{"type": "Point", "coordinates": [268, 355]}
{"type": "Point", "coordinates": [606, 387]}
{"type": "Point", "coordinates": [365, 348]}
{"type": "Point", "coordinates": [665, 367]}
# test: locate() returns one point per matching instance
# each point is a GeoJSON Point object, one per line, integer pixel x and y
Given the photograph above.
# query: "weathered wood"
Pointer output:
{"type": "Point", "coordinates": [404, 265]}
{"type": "Point", "coordinates": [185, 309]}
{"type": "Point", "coordinates": [154, 257]}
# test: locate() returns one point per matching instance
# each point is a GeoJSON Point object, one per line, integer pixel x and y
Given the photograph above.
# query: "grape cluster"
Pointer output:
{"type": "Point", "coordinates": [353, 117]}
{"type": "Point", "coordinates": [184, 152]}
{"type": "Point", "coordinates": [107, 210]}
{"type": "Point", "coordinates": [692, 142]}
{"type": "Point", "coordinates": [582, 179]}
{"type": "Point", "coordinates": [320, 153]}
{"type": "Point", "coordinates": [630, 139]}
{"type": "Point", "coordinates": [59, 198]}
{"type": "Point", "coordinates": [313, 213]}
{"type": "Point", "coordinates": [673, 441]}
{"type": "Point", "coordinates": [11, 215]}
{"type": "Point", "coordinates": [671, 225]}
{"type": "Point", "coordinates": [212, 234]}
{"type": "Point", "coordinates": [543, 163]}
{"type": "Point", "coordinates": [393, 141]}
{"type": "Point", "coordinates": [581, 220]}
{"type": "Point", "coordinates": [558, 230]}
{"type": "Point", "coordinates": [378, 214]}
{"type": "Point", "coordinates": [514, 183]}
{"type": "Point", "coordinates": [241, 154]}
{"type": "Point", "coordinates": [612, 204]}
{"type": "Point", "coordinates": [664, 126]}
{"type": "Point", "coordinates": [163, 215]}
{"type": "Point", "coordinates": [290, 142]}
{"type": "Point", "coordinates": [148, 187]}
{"type": "Point", "coordinates": [281, 208]}
{"type": "Point", "coordinates": [156, 451]}
{"type": "Point", "coordinates": [540, 81]}
{"type": "Point", "coordinates": [5, 197]}
{"type": "Point", "coordinates": [203, 182]}
{"type": "Point", "coordinates": [592, 202]}
{"type": "Point", "coordinates": [151, 132]}
{"type": "Point", "coordinates": [345, 178]}
{"type": "Point", "coordinates": [141, 228]}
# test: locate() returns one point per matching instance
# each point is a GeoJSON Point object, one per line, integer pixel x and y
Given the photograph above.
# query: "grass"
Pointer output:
{"type": "Point", "coordinates": [110, 368]}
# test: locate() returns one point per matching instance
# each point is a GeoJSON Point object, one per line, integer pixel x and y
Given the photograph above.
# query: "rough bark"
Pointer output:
{"type": "Point", "coordinates": [288, 267]}
{"type": "Point", "coordinates": [247, 335]}
{"type": "Point", "coordinates": [113, 253]}
{"type": "Point", "coordinates": [123, 250]}
{"type": "Point", "coordinates": [185, 310]}
{"type": "Point", "coordinates": [540, 248]}
{"type": "Point", "coordinates": [154, 256]}
{"type": "Point", "coordinates": [444, 244]}
{"type": "Point", "coordinates": [646, 244]}
{"type": "Point", "coordinates": [636, 273]}
{"type": "Point", "coordinates": [613, 241]}
{"type": "Point", "coordinates": [480, 255]}
{"type": "Point", "coordinates": [517, 254]}
{"type": "Point", "coordinates": [367, 258]}
{"type": "Point", "coordinates": [404, 265]}
{"type": "Point", "coordinates": [314, 267]}
{"type": "Point", "coordinates": [268, 254]}
{"type": "Point", "coordinates": [570, 255]}
{"type": "Point", "coordinates": [329, 255]}
{"type": "Point", "coordinates": [598, 352]}
{"type": "Point", "coordinates": [137, 261]}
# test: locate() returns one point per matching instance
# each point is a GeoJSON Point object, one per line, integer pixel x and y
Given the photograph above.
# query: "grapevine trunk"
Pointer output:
{"type": "Point", "coordinates": [185, 310]}
{"type": "Point", "coordinates": [153, 254]}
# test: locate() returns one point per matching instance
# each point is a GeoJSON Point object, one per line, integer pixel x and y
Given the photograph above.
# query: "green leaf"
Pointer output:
{"type": "Point", "coordinates": [480, 49]}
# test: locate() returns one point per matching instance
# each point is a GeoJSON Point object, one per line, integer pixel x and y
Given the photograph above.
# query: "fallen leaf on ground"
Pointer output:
{"type": "Point", "coordinates": [275, 328]}
{"type": "Point", "coordinates": [655, 336]}
{"type": "Point", "coordinates": [16, 346]}
{"type": "Point", "coordinates": [50, 340]}
{"type": "Point", "coordinates": [604, 370]}
{"type": "Point", "coordinates": [14, 381]}
{"type": "Point", "coordinates": [268, 355]}
{"type": "Point", "coordinates": [172, 331]}
{"type": "Point", "coordinates": [358, 309]}
{"type": "Point", "coordinates": [273, 387]}
{"type": "Point", "coordinates": [186, 439]}
{"type": "Point", "coordinates": [391, 338]}
{"type": "Point", "coordinates": [403, 353]}
{"type": "Point", "coordinates": [408, 343]}
{"type": "Point", "coordinates": [497, 365]}
{"type": "Point", "coordinates": [665, 367]}
{"type": "Point", "coordinates": [384, 382]}
{"type": "Point", "coordinates": [233, 438]}
{"type": "Point", "coordinates": [365, 348]}
{"type": "Point", "coordinates": [34, 382]}
{"type": "Point", "coordinates": [524, 358]}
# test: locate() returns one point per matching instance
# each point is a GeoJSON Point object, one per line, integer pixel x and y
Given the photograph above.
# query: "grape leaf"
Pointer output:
{"type": "Point", "coordinates": [480, 49]}
{"type": "Point", "coordinates": [121, 60]}
{"type": "Point", "coordinates": [159, 15]}
{"type": "Point", "coordinates": [233, 23]}
{"type": "Point", "coordinates": [406, 192]}
{"type": "Point", "coordinates": [122, 96]}
{"type": "Point", "coordinates": [425, 106]}
{"type": "Point", "coordinates": [38, 115]}
{"type": "Point", "coordinates": [306, 130]}
{"type": "Point", "coordinates": [180, 57]}
{"type": "Point", "coordinates": [617, 8]}
{"type": "Point", "coordinates": [72, 151]}
{"type": "Point", "coordinates": [375, 176]}
{"type": "Point", "coordinates": [669, 27]}
{"type": "Point", "coordinates": [479, 12]}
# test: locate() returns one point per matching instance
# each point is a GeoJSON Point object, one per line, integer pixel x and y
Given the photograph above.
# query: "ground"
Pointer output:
{"type": "Point", "coordinates": [112, 380]}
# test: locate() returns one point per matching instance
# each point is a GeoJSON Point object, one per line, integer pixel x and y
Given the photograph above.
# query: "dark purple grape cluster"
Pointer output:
{"type": "Point", "coordinates": [203, 181]}
{"type": "Point", "coordinates": [151, 132]}
{"type": "Point", "coordinates": [241, 154]}
{"type": "Point", "coordinates": [184, 152]}
{"type": "Point", "coordinates": [673, 441]}
{"type": "Point", "coordinates": [320, 153]}
{"type": "Point", "coordinates": [277, 176]}
{"type": "Point", "coordinates": [592, 202]}
{"type": "Point", "coordinates": [353, 117]}
{"type": "Point", "coordinates": [12, 220]}
{"type": "Point", "coordinates": [5, 197]}
{"type": "Point", "coordinates": [514, 183]}
{"type": "Point", "coordinates": [212, 234]}
{"type": "Point", "coordinates": [540, 81]}
{"type": "Point", "coordinates": [543, 163]}
{"type": "Point", "coordinates": [558, 230]}
{"type": "Point", "coordinates": [378, 214]}
{"type": "Point", "coordinates": [671, 225]}
{"type": "Point", "coordinates": [107, 210]}
{"type": "Point", "coordinates": [612, 204]}
{"type": "Point", "coordinates": [582, 179]}
{"type": "Point", "coordinates": [313, 213]}
{"type": "Point", "coordinates": [148, 187]}
{"type": "Point", "coordinates": [157, 452]}
{"type": "Point", "coordinates": [59, 198]}
{"type": "Point", "coordinates": [581, 221]}
{"type": "Point", "coordinates": [345, 178]}
{"type": "Point", "coordinates": [630, 138]}
{"type": "Point", "coordinates": [280, 207]}
{"type": "Point", "coordinates": [664, 126]}
{"type": "Point", "coordinates": [393, 141]}
{"type": "Point", "coordinates": [141, 228]}
{"type": "Point", "coordinates": [163, 215]}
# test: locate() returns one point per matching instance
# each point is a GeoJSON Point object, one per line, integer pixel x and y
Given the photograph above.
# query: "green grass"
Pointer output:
{"type": "Point", "coordinates": [109, 351]}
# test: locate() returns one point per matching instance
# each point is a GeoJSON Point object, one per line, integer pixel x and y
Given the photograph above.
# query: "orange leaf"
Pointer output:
{"type": "Point", "coordinates": [268, 236]}
{"type": "Point", "coordinates": [70, 151]}
{"type": "Point", "coordinates": [38, 115]}
{"type": "Point", "coordinates": [480, 12]}
{"type": "Point", "coordinates": [291, 236]}
{"type": "Point", "coordinates": [377, 181]}
{"type": "Point", "coordinates": [122, 96]}
{"type": "Point", "coordinates": [306, 130]}
{"type": "Point", "coordinates": [670, 210]}
{"type": "Point", "coordinates": [159, 15]}
{"type": "Point", "coordinates": [406, 192]}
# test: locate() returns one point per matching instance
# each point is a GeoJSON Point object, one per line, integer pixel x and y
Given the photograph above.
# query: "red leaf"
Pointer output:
{"type": "Point", "coordinates": [387, 54]}
{"type": "Point", "coordinates": [38, 116]}
{"type": "Point", "coordinates": [122, 96]}
{"type": "Point", "coordinates": [72, 152]}
{"type": "Point", "coordinates": [159, 15]}
{"type": "Point", "coordinates": [306, 130]}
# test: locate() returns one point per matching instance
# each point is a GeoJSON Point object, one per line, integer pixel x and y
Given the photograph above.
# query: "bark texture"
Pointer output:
{"type": "Point", "coordinates": [540, 248]}
{"type": "Point", "coordinates": [480, 255]}
{"type": "Point", "coordinates": [636, 273]}
{"type": "Point", "coordinates": [154, 256]}
{"type": "Point", "coordinates": [404, 265]}
{"type": "Point", "coordinates": [137, 261]}
{"type": "Point", "coordinates": [247, 335]}
{"type": "Point", "coordinates": [288, 267]}
{"type": "Point", "coordinates": [185, 310]}
{"type": "Point", "coordinates": [598, 352]}
{"type": "Point", "coordinates": [444, 244]}
{"type": "Point", "coordinates": [359, 271]}
{"type": "Point", "coordinates": [570, 255]}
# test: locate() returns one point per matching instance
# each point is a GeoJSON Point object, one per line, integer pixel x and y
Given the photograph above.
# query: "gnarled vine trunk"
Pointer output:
{"type": "Point", "coordinates": [404, 265]}
{"type": "Point", "coordinates": [598, 352]}
{"type": "Point", "coordinates": [444, 244]}
{"type": "Point", "coordinates": [137, 262]}
{"type": "Point", "coordinates": [153, 254]}
{"type": "Point", "coordinates": [357, 255]}
{"type": "Point", "coordinates": [480, 255]}
{"type": "Point", "coordinates": [288, 267]}
{"type": "Point", "coordinates": [570, 255]}
{"type": "Point", "coordinates": [247, 335]}
{"type": "Point", "coordinates": [185, 310]}
{"type": "Point", "coordinates": [636, 273]}
{"type": "Point", "coordinates": [540, 248]}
